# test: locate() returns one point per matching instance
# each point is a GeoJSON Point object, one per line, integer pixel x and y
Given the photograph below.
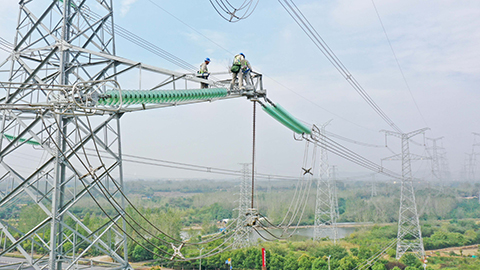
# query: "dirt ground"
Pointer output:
{"type": "Point", "coordinates": [465, 251]}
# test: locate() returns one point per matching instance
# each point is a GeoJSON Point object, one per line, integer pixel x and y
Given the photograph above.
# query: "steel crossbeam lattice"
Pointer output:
{"type": "Point", "coordinates": [242, 233]}
{"type": "Point", "coordinates": [409, 236]}
{"type": "Point", "coordinates": [326, 204]}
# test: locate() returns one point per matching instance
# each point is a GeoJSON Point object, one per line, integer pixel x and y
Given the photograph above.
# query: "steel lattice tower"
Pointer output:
{"type": "Point", "coordinates": [409, 235]}
{"type": "Point", "coordinates": [374, 187]}
{"type": "Point", "coordinates": [325, 206]}
{"type": "Point", "coordinates": [333, 176]}
{"type": "Point", "coordinates": [471, 161]}
{"type": "Point", "coordinates": [63, 58]}
{"type": "Point", "coordinates": [445, 169]}
{"type": "Point", "coordinates": [42, 62]}
{"type": "Point", "coordinates": [435, 156]}
{"type": "Point", "coordinates": [242, 233]}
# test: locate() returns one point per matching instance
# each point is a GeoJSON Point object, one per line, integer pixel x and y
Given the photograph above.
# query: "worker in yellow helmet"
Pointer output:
{"type": "Point", "coordinates": [239, 65]}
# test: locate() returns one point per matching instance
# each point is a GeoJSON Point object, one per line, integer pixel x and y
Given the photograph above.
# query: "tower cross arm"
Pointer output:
{"type": "Point", "coordinates": [418, 157]}
{"type": "Point", "coordinates": [408, 135]}
{"type": "Point", "coordinates": [416, 132]}
{"type": "Point", "coordinates": [133, 63]}
{"type": "Point", "coordinates": [435, 139]}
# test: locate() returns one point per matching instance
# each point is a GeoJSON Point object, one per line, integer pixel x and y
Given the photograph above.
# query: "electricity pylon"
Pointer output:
{"type": "Point", "coordinates": [409, 236]}
{"type": "Point", "coordinates": [62, 63]}
{"type": "Point", "coordinates": [43, 67]}
{"type": "Point", "coordinates": [437, 174]}
{"type": "Point", "coordinates": [242, 233]}
{"type": "Point", "coordinates": [471, 161]}
{"type": "Point", "coordinates": [333, 176]}
{"type": "Point", "coordinates": [374, 187]}
{"type": "Point", "coordinates": [325, 207]}
{"type": "Point", "coordinates": [444, 167]}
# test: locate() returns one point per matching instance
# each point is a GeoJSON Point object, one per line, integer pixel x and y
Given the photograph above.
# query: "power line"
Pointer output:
{"type": "Point", "coordinates": [144, 43]}
{"type": "Point", "coordinates": [231, 12]}
{"type": "Point", "coordinates": [313, 35]}
{"type": "Point", "coordinates": [398, 63]}
{"type": "Point", "coordinates": [331, 134]}
{"type": "Point", "coordinates": [265, 75]}
{"type": "Point", "coordinates": [187, 25]}
{"type": "Point", "coordinates": [198, 168]}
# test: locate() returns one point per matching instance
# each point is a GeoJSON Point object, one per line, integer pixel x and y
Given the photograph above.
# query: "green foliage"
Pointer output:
{"type": "Point", "coordinates": [30, 216]}
{"type": "Point", "coordinates": [379, 266]}
{"type": "Point", "coordinates": [411, 260]}
{"type": "Point", "coordinates": [320, 264]}
{"type": "Point", "coordinates": [336, 252]}
{"type": "Point", "coordinates": [305, 262]}
{"type": "Point", "coordinates": [203, 203]}
{"type": "Point", "coordinates": [348, 263]}
{"type": "Point", "coordinates": [291, 262]}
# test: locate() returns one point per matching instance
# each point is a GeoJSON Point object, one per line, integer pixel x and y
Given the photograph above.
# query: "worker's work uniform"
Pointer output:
{"type": "Point", "coordinates": [246, 73]}
{"type": "Point", "coordinates": [203, 73]}
{"type": "Point", "coordinates": [238, 60]}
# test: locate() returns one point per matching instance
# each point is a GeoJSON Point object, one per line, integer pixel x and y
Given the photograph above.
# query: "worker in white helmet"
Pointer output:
{"type": "Point", "coordinates": [203, 72]}
{"type": "Point", "coordinates": [239, 65]}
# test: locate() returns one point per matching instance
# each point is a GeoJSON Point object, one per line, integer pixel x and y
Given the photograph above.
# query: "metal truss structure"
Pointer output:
{"type": "Point", "coordinates": [333, 177]}
{"type": "Point", "coordinates": [325, 205]}
{"type": "Point", "coordinates": [60, 149]}
{"type": "Point", "coordinates": [242, 233]}
{"type": "Point", "coordinates": [471, 160]}
{"type": "Point", "coordinates": [374, 187]}
{"type": "Point", "coordinates": [409, 236]}
{"type": "Point", "coordinates": [437, 153]}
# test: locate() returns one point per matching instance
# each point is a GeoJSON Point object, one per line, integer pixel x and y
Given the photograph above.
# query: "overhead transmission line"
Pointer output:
{"type": "Point", "coordinates": [265, 75]}
{"type": "Point", "coordinates": [143, 43]}
{"type": "Point", "coordinates": [329, 144]}
{"type": "Point", "coordinates": [398, 62]}
{"type": "Point", "coordinates": [313, 35]}
{"type": "Point", "coordinates": [5, 45]}
{"type": "Point", "coordinates": [194, 167]}
{"type": "Point", "coordinates": [233, 13]}
{"type": "Point", "coordinates": [131, 221]}
{"type": "Point", "coordinates": [344, 152]}
{"type": "Point", "coordinates": [353, 141]}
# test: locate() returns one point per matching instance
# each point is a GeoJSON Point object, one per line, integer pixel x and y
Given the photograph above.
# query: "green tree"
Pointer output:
{"type": "Point", "coordinates": [320, 264]}
{"type": "Point", "coordinates": [348, 263]}
{"type": "Point", "coordinates": [250, 258]}
{"type": "Point", "coordinates": [410, 260]}
{"type": "Point", "coordinates": [291, 262]}
{"type": "Point", "coordinates": [379, 266]}
{"type": "Point", "coordinates": [304, 262]}
{"type": "Point", "coordinates": [354, 251]}
{"type": "Point", "coordinates": [139, 253]}
{"type": "Point", "coordinates": [276, 261]}
{"type": "Point", "coordinates": [30, 216]}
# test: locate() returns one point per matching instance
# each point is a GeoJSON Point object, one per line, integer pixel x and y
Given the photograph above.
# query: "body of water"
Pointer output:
{"type": "Point", "coordinates": [299, 234]}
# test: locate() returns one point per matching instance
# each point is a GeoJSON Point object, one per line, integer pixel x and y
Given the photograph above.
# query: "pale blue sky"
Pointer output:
{"type": "Point", "coordinates": [436, 42]}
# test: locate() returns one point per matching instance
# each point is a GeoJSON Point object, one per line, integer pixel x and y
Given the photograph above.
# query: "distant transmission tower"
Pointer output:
{"type": "Point", "coordinates": [333, 175]}
{"type": "Point", "coordinates": [444, 167]}
{"type": "Point", "coordinates": [325, 206]}
{"type": "Point", "coordinates": [435, 156]}
{"type": "Point", "coordinates": [471, 161]}
{"type": "Point", "coordinates": [409, 235]}
{"type": "Point", "coordinates": [242, 236]}
{"type": "Point", "coordinates": [374, 187]}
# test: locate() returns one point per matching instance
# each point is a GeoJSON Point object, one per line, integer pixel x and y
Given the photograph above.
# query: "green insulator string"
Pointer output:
{"type": "Point", "coordinates": [132, 97]}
